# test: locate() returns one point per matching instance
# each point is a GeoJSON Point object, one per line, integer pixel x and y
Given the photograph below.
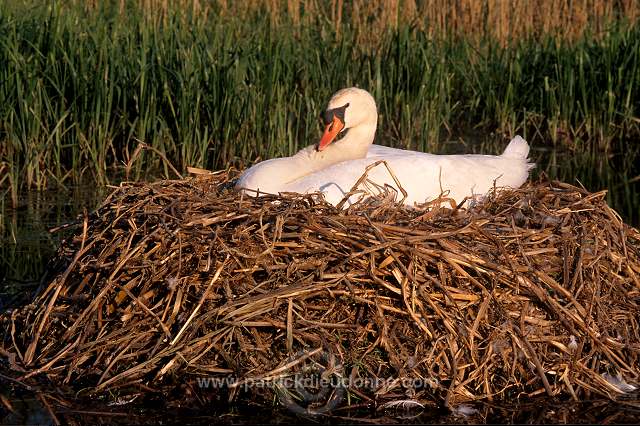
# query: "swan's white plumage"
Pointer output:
{"type": "Point", "coordinates": [423, 176]}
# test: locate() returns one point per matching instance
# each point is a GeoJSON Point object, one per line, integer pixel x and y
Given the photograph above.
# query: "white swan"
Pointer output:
{"type": "Point", "coordinates": [334, 165]}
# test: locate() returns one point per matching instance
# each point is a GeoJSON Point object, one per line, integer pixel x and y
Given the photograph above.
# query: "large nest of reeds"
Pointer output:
{"type": "Point", "coordinates": [531, 291]}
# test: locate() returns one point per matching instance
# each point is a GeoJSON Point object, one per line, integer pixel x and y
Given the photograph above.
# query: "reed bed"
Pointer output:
{"type": "Point", "coordinates": [532, 291]}
{"type": "Point", "coordinates": [214, 84]}
{"type": "Point", "coordinates": [504, 21]}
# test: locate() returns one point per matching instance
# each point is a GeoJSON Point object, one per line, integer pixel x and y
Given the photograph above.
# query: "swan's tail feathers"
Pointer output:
{"type": "Point", "coordinates": [517, 148]}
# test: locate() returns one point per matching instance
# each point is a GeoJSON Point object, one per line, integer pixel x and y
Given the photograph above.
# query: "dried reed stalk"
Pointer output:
{"type": "Point", "coordinates": [532, 291]}
{"type": "Point", "coordinates": [503, 20]}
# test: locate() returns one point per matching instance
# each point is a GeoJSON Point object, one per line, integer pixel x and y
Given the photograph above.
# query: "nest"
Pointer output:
{"type": "Point", "coordinates": [532, 291]}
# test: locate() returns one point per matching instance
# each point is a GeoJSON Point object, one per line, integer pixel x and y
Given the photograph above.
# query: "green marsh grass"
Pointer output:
{"type": "Point", "coordinates": [82, 86]}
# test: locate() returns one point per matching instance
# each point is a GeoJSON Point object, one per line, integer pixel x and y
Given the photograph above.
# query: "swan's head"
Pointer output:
{"type": "Point", "coordinates": [348, 108]}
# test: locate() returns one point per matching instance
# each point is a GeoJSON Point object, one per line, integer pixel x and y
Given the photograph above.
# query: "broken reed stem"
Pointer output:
{"type": "Point", "coordinates": [202, 299]}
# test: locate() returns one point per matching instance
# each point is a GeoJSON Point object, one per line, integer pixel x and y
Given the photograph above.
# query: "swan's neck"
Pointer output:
{"type": "Point", "coordinates": [352, 146]}
{"type": "Point", "coordinates": [273, 176]}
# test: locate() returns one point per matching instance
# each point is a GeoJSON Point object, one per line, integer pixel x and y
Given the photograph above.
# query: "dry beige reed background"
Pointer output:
{"type": "Point", "coordinates": [503, 20]}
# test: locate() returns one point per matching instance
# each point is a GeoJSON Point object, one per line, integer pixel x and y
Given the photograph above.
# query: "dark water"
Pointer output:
{"type": "Point", "coordinates": [25, 241]}
{"type": "Point", "coordinates": [43, 408]}
{"type": "Point", "coordinates": [26, 245]}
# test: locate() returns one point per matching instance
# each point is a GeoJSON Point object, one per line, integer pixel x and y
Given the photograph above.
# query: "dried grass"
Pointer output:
{"type": "Point", "coordinates": [534, 291]}
{"type": "Point", "coordinates": [503, 20]}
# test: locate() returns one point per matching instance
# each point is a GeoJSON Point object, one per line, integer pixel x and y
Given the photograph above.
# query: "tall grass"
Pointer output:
{"type": "Point", "coordinates": [210, 84]}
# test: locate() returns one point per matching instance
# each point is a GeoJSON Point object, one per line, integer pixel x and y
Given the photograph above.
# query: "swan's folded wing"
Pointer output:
{"type": "Point", "coordinates": [376, 151]}
{"type": "Point", "coordinates": [423, 176]}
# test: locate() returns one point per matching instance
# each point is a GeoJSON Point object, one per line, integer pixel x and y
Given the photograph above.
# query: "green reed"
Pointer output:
{"type": "Point", "coordinates": [80, 89]}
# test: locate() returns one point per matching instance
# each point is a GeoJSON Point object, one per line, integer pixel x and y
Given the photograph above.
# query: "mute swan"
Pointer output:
{"type": "Point", "coordinates": [333, 165]}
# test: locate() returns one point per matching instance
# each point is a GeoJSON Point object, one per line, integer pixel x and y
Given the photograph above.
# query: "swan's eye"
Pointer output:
{"type": "Point", "coordinates": [328, 115]}
{"type": "Point", "coordinates": [339, 112]}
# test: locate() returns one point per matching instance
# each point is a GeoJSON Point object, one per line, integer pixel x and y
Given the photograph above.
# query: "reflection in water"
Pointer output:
{"type": "Point", "coordinates": [25, 411]}
{"type": "Point", "coordinates": [31, 409]}
{"type": "Point", "coordinates": [25, 241]}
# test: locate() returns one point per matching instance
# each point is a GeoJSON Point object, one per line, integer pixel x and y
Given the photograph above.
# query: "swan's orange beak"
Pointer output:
{"type": "Point", "coordinates": [330, 133]}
